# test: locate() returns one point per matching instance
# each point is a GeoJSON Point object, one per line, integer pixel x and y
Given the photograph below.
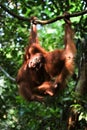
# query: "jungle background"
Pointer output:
{"type": "Point", "coordinates": [68, 110]}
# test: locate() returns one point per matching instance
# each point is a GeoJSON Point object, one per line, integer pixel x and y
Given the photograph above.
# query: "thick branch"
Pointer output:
{"type": "Point", "coordinates": [61, 17]}
{"type": "Point", "coordinates": [41, 21]}
{"type": "Point", "coordinates": [7, 75]}
{"type": "Point", "coordinates": [13, 14]}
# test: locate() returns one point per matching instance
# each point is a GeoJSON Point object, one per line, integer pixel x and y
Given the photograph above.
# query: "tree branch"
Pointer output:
{"type": "Point", "coordinates": [43, 22]}
{"type": "Point", "coordinates": [7, 75]}
{"type": "Point", "coordinates": [61, 17]}
{"type": "Point", "coordinates": [13, 14]}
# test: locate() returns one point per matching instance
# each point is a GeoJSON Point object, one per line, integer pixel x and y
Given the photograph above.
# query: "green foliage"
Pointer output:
{"type": "Point", "coordinates": [16, 113]}
{"type": "Point", "coordinates": [50, 37]}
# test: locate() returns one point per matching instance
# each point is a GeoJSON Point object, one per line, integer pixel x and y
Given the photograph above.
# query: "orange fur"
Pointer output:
{"type": "Point", "coordinates": [43, 72]}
